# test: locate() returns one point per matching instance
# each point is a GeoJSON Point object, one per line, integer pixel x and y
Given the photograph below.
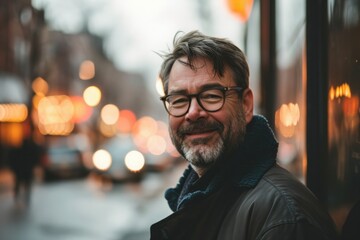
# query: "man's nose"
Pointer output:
{"type": "Point", "coordinates": [195, 110]}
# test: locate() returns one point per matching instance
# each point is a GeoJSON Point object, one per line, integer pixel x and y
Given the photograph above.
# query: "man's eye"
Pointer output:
{"type": "Point", "coordinates": [178, 101]}
{"type": "Point", "coordinates": [211, 97]}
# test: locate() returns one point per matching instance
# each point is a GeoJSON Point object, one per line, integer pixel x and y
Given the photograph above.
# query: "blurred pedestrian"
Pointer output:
{"type": "Point", "coordinates": [22, 162]}
{"type": "Point", "coordinates": [233, 188]}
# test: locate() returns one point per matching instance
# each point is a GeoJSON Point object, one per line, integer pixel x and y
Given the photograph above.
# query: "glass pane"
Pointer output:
{"type": "Point", "coordinates": [291, 78]}
{"type": "Point", "coordinates": [252, 50]}
{"type": "Point", "coordinates": [343, 106]}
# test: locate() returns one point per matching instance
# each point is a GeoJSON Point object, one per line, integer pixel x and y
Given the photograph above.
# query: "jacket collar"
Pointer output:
{"type": "Point", "coordinates": [245, 169]}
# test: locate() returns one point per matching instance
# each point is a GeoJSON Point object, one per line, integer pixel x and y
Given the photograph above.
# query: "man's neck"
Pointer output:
{"type": "Point", "coordinates": [200, 171]}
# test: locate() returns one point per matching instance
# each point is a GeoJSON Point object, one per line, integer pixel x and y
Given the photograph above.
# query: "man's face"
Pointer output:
{"type": "Point", "coordinates": [204, 137]}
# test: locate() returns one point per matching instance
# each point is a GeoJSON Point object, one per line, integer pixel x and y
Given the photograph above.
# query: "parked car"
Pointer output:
{"type": "Point", "coordinates": [63, 159]}
{"type": "Point", "coordinates": [119, 160]}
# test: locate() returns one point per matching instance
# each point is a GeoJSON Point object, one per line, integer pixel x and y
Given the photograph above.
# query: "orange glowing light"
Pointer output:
{"type": "Point", "coordinates": [61, 128]}
{"type": "Point", "coordinates": [40, 86]}
{"type": "Point", "coordinates": [142, 130]}
{"type": "Point", "coordinates": [287, 118]}
{"type": "Point", "coordinates": [35, 100]}
{"type": "Point", "coordinates": [332, 93]}
{"type": "Point", "coordinates": [110, 114]}
{"type": "Point", "coordinates": [351, 106]}
{"type": "Point", "coordinates": [82, 112]}
{"type": "Point", "coordinates": [107, 130]}
{"type": "Point", "coordinates": [343, 90]}
{"type": "Point", "coordinates": [241, 8]}
{"type": "Point", "coordinates": [145, 127]}
{"type": "Point", "coordinates": [55, 114]}
{"type": "Point", "coordinates": [126, 121]}
{"type": "Point", "coordinates": [156, 145]}
{"type": "Point", "coordinates": [12, 134]}
{"type": "Point", "coordinates": [87, 70]}
{"type": "Point", "coordinates": [13, 112]}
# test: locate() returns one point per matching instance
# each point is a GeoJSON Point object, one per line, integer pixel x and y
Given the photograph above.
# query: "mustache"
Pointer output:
{"type": "Point", "coordinates": [199, 126]}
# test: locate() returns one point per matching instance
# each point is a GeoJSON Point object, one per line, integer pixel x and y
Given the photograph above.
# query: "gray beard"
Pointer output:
{"type": "Point", "coordinates": [202, 155]}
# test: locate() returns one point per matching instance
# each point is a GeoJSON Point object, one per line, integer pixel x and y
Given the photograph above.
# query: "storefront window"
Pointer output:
{"type": "Point", "coordinates": [343, 106]}
{"type": "Point", "coordinates": [290, 89]}
{"type": "Point", "coordinates": [252, 50]}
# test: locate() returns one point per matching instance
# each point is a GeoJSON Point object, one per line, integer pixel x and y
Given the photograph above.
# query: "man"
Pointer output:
{"type": "Point", "coordinates": [233, 188]}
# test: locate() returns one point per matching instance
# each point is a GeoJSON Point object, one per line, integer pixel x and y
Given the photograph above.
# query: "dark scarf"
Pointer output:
{"type": "Point", "coordinates": [244, 170]}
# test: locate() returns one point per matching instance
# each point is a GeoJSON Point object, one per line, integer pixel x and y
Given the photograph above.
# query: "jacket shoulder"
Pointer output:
{"type": "Point", "coordinates": [279, 204]}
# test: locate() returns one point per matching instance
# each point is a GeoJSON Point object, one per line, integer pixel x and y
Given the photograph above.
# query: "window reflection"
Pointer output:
{"type": "Point", "coordinates": [290, 90]}
{"type": "Point", "coordinates": [343, 106]}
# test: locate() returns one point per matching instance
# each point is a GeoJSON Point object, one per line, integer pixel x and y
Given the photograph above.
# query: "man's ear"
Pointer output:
{"type": "Point", "coordinates": [248, 104]}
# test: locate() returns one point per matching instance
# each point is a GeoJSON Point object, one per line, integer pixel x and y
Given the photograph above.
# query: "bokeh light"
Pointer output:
{"type": "Point", "coordinates": [92, 96]}
{"type": "Point", "coordinates": [40, 86]}
{"type": "Point", "coordinates": [13, 112]}
{"type": "Point", "coordinates": [142, 130]}
{"type": "Point", "coordinates": [289, 114]}
{"type": "Point", "coordinates": [134, 161]}
{"type": "Point", "coordinates": [110, 114]}
{"type": "Point", "coordinates": [55, 114]}
{"type": "Point", "coordinates": [107, 130]}
{"type": "Point", "coordinates": [102, 159]}
{"type": "Point", "coordinates": [11, 134]}
{"type": "Point", "coordinates": [344, 90]}
{"type": "Point", "coordinates": [242, 9]}
{"type": "Point", "coordinates": [287, 118]}
{"type": "Point", "coordinates": [82, 111]}
{"type": "Point", "coordinates": [126, 121]}
{"type": "Point", "coordinates": [156, 145]}
{"type": "Point", "coordinates": [87, 70]}
{"type": "Point", "coordinates": [35, 100]}
{"type": "Point", "coordinates": [145, 126]}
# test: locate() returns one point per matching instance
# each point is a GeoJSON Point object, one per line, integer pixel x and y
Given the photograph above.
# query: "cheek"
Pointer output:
{"type": "Point", "coordinates": [225, 118]}
{"type": "Point", "coordinates": [230, 120]}
{"type": "Point", "coordinates": [228, 115]}
{"type": "Point", "coordinates": [174, 123]}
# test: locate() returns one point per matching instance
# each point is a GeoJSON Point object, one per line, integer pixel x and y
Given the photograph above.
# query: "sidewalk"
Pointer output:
{"type": "Point", "coordinates": [83, 210]}
{"type": "Point", "coordinates": [6, 181]}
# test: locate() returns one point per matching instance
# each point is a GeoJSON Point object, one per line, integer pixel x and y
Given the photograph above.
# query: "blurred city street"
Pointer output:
{"type": "Point", "coordinates": [80, 103]}
{"type": "Point", "coordinates": [85, 209]}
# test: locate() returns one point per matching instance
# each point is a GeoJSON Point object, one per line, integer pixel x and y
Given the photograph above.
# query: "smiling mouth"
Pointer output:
{"type": "Point", "coordinates": [200, 130]}
{"type": "Point", "coordinates": [202, 134]}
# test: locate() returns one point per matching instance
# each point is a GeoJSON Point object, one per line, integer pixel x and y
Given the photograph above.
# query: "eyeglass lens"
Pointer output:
{"type": "Point", "coordinates": [210, 100]}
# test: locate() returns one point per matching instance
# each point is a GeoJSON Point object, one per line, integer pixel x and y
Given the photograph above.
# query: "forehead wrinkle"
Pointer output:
{"type": "Point", "coordinates": [200, 74]}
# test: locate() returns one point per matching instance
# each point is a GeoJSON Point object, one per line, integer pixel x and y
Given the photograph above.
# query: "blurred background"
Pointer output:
{"type": "Point", "coordinates": [84, 147]}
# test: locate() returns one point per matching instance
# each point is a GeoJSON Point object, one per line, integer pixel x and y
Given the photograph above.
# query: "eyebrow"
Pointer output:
{"type": "Point", "coordinates": [202, 88]}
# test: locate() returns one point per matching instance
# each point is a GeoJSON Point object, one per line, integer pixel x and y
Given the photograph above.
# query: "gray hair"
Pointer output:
{"type": "Point", "coordinates": [219, 51]}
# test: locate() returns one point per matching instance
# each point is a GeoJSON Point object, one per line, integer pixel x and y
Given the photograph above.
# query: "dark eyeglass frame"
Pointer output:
{"type": "Point", "coordinates": [197, 96]}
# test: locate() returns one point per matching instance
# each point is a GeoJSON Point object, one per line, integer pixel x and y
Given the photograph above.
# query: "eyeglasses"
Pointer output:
{"type": "Point", "coordinates": [211, 100]}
